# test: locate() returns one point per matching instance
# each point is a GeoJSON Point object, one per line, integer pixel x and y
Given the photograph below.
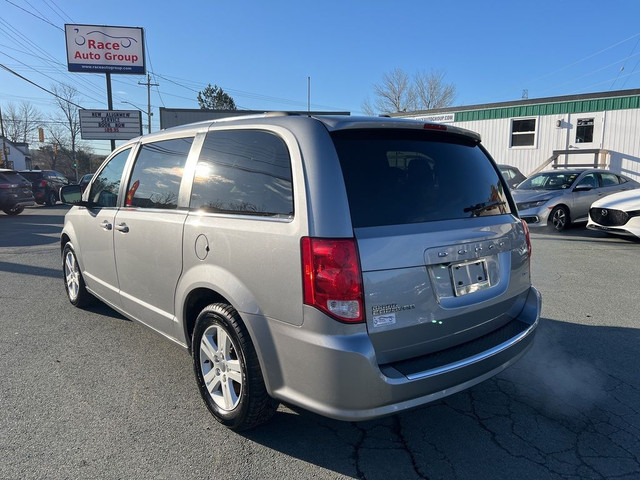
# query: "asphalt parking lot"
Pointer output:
{"type": "Point", "coordinates": [89, 394]}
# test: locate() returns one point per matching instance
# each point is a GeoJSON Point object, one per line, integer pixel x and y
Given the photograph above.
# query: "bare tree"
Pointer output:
{"type": "Point", "coordinates": [368, 108]}
{"type": "Point", "coordinates": [21, 121]}
{"type": "Point", "coordinates": [68, 119]}
{"type": "Point", "coordinates": [400, 93]}
{"type": "Point", "coordinates": [431, 90]}
{"type": "Point", "coordinates": [395, 93]}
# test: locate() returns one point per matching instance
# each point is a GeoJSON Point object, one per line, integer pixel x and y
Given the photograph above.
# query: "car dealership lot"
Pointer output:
{"type": "Point", "coordinates": [88, 394]}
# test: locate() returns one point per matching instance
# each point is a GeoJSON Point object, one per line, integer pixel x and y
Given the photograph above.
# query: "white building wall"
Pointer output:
{"type": "Point", "coordinates": [614, 130]}
{"type": "Point", "coordinates": [622, 139]}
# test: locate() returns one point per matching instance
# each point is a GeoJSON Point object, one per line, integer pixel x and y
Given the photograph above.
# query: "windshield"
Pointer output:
{"type": "Point", "coordinates": [407, 176]}
{"type": "Point", "coordinates": [549, 181]}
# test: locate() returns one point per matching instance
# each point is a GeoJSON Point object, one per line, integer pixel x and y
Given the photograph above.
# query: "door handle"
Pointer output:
{"type": "Point", "coordinates": [122, 227]}
{"type": "Point", "coordinates": [106, 225]}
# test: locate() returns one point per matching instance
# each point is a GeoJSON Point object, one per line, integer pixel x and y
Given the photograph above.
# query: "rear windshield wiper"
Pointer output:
{"type": "Point", "coordinates": [478, 208]}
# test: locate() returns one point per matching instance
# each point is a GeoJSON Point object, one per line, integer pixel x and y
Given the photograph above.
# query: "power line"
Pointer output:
{"type": "Point", "coordinates": [40, 87]}
{"type": "Point", "coordinates": [585, 58]}
{"type": "Point", "coordinates": [33, 14]}
{"type": "Point", "coordinates": [59, 9]}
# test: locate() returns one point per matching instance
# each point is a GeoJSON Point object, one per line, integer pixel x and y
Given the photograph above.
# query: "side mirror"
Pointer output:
{"type": "Point", "coordinates": [72, 195]}
{"type": "Point", "coordinates": [583, 188]}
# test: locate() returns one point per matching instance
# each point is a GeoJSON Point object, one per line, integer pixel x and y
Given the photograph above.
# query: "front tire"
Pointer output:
{"type": "Point", "coordinates": [227, 370]}
{"type": "Point", "coordinates": [73, 281]}
{"type": "Point", "coordinates": [559, 218]}
{"type": "Point", "coordinates": [13, 211]}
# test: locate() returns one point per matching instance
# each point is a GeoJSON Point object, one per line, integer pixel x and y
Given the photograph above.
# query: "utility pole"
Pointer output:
{"type": "Point", "coordinates": [4, 158]}
{"type": "Point", "coordinates": [149, 85]}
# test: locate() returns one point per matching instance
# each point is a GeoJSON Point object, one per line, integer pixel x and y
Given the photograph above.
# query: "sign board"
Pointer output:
{"type": "Point", "coordinates": [102, 49]}
{"type": "Point", "coordinates": [110, 124]}
{"type": "Point", "coordinates": [439, 118]}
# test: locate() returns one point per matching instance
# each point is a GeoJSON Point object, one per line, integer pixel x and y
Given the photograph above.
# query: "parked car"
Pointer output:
{"type": "Point", "coordinates": [512, 175]}
{"type": "Point", "coordinates": [340, 264]}
{"type": "Point", "coordinates": [46, 185]}
{"type": "Point", "coordinates": [15, 192]}
{"type": "Point", "coordinates": [560, 197]}
{"type": "Point", "coordinates": [84, 181]}
{"type": "Point", "coordinates": [618, 214]}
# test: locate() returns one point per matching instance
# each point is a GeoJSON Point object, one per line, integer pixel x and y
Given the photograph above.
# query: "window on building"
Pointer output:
{"type": "Point", "coordinates": [523, 132]}
{"type": "Point", "coordinates": [584, 130]}
{"type": "Point", "coordinates": [157, 173]}
{"type": "Point", "coordinates": [245, 172]}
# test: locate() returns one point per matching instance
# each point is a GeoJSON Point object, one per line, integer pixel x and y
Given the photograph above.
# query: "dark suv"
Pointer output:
{"type": "Point", "coordinates": [46, 185]}
{"type": "Point", "coordinates": [15, 192]}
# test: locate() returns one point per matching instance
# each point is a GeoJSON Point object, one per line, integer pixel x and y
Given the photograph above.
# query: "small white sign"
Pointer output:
{"type": "Point", "coordinates": [110, 124]}
{"type": "Point", "coordinates": [441, 118]}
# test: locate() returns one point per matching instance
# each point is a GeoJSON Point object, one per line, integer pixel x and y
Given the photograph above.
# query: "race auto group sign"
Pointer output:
{"type": "Point", "coordinates": [102, 49]}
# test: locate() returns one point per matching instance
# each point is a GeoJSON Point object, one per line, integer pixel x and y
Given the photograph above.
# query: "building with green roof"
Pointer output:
{"type": "Point", "coordinates": [534, 134]}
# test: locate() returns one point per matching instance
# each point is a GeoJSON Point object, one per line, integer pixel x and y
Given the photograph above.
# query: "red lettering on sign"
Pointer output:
{"type": "Point", "coordinates": [103, 46]}
{"type": "Point", "coordinates": [87, 56]}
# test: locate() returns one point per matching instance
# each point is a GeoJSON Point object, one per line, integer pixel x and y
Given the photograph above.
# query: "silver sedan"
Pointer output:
{"type": "Point", "coordinates": [558, 198]}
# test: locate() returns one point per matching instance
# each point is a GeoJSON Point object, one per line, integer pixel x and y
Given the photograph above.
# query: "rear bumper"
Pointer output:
{"type": "Point", "coordinates": [337, 375]}
{"type": "Point", "coordinates": [40, 195]}
{"type": "Point", "coordinates": [13, 202]}
{"type": "Point", "coordinates": [24, 203]}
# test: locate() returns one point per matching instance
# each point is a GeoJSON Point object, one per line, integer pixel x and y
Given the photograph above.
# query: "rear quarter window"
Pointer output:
{"type": "Point", "coordinates": [246, 172]}
{"type": "Point", "coordinates": [410, 176]}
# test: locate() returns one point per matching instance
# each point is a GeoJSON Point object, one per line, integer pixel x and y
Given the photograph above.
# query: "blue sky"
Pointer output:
{"type": "Point", "coordinates": [262, 52]}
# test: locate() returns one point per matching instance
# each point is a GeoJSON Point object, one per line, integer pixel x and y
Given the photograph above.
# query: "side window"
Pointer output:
{"type": "Point", "coordinates": [157, 173]}
{"type": "Point", "coordinates": [590, 180]}
{"type": "Point", "coordinates": [507, 174]}
{"type": "Point", "coordinates": [523, 132]}
{"type": "Point", "coordinates": [609, 179]}
{"type": "Point", "coordinates": [104, 190]}
{"type": "Point", "coordinates": [244, 172]}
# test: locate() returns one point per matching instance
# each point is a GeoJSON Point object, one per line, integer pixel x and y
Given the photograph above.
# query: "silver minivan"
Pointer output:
{"type": "Point", "coordinates": [355, 267]}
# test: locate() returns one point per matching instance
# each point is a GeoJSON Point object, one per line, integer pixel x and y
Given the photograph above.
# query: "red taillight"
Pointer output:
{"type": "Point", "coordinates": [527, 236]}
{"type": "Point", "coordinates": [42, 184]}
{"type": "Point", "coordinates": [331, 278]}
{"type": "Point", "coordinates": [8, 186]}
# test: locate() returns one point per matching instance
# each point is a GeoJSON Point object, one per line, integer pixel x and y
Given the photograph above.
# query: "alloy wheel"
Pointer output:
{"type": "Point", "coordinates": [221, 368]}
{"type": "Point", "coordinates": [72, 275]}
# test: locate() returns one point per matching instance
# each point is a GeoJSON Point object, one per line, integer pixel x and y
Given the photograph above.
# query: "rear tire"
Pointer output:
{"type": "Point", "coordinates": [13, 211]}
{"type": "Point", "coordinates": [227, 370]}
{"type": "Point", "coordinates": [51, 199]}
{"type": "Point", "coordinates": [73, 281]}
{"type": "Point", "coordinates": [559, 218]}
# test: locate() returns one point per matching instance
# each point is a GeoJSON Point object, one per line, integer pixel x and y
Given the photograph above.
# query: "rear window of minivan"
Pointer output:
{"type": "Point", "coordinates": [410, 176]}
